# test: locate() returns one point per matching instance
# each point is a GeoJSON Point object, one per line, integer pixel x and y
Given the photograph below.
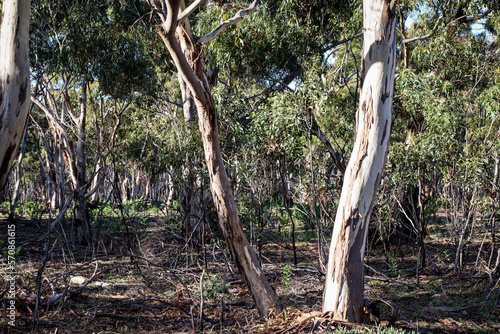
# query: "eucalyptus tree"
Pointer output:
{"type": "Point", "coordinates": [433, 19]}
{"type": "Point", "coordinates": [445, 45]}
{"type": "Point", "coordinates": [453, 58]}
{"type": "Point", "coordinates": [343, 294]}
{"type": "Point", "coordinates": [256, 63]}
{"type": "Point", "coordinates": [73, 49]}
{"type": "Point", "coordinates": [14, 80]}
{"type": "Point", "coordinates": [186, 52]}
{"type": "Point", "coordinates": [275, 48]}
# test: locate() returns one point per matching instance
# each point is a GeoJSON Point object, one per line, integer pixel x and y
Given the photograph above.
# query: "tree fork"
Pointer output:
{"type": "Point", "coordinates": [344, 285]}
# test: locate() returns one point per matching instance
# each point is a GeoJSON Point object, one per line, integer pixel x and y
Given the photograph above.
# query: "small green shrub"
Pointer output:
{"type": "Point", "coordinates": [176, 204]}
{"type": "Point", "coordinates": [286, 277]}
{"type": "Point", "coordinates": [30, 209]}
{"type": "Point", "coordinates": [213, 287]}
{"type": "Point", "coordinates": [393, 264]}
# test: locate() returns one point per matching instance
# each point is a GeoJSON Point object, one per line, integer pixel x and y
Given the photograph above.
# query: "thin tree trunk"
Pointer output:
{"type": "Point", "coordinates": [315, 129]}
{"type": "Point", "coordinates": [14, 81]}
{"type": "Point", "coordinates": [196, 216]}
{"type": "Point", "coordinates": [344, 280]}
{"type": "Point", "coordinates": [288, 201]}
{"type": "Point", "coordinates": [170, 188]}
{"type": "Point", "coordinates": [193, 74]}
{"type": "Point", "coordinates": [17, 187]}
{"type": "Point", "coordinates": [44, 177]}
{"type": "Point", "coordinates": [187, 103]}
{"type": "Point", "coordinates": [81, 221]}
{"type": "Point", "coordinates": [59, 162]}
{"type": "Point", "coordinates": [124, 188]}
{"type": "Point", "coordinates": [406, 47]}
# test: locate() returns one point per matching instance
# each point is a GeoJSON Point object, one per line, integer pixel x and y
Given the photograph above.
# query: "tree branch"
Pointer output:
{"type": "Point", "coordinates": [348, 39]}
{"type": "Point", "coordinates": [471, 18]}
{"type": "Point", "coordinates": [167, 33]}
{"type": "Point", "coordinates": [188, 11]}
{"type": "Point", "coordinates": [418, 38]}
{"type": "Point", "coordinates": [461, 19]}
{"type": "Point", "coordinates": [49, 115]}
{"type": "Point", "coordinates": [157, 10]}
{"type": "Point", "coordinates": [98, 183]}
{"type": "Point", "coordinates": [235, 19]}
{"type": "Point", "coordinates": [69, 107]}
{"type": "Point", "coordinates": [316, 130]}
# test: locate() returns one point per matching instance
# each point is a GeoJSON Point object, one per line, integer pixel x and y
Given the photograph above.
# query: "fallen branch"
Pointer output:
{"type": "Point", "coordinates": [45, 301]}
{"type": "Point", "coordinates": [385, 277]}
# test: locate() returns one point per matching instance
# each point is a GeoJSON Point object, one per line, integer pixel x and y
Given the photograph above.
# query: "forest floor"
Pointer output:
{"type": "Point", "coordinates": [152, 282]}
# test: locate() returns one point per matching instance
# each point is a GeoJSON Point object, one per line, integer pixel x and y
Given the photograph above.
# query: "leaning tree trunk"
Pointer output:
{"type": "Point", "coordinates": [190, 68]}
{"type": "Point", "coordinates": [344, 280]}
{"type": "Point", "coordinates": [14, 80]}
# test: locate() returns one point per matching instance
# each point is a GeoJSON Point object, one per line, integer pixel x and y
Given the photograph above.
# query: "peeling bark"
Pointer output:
{"type": "Point", "coordinates": [190, 70]}
{"type": "Point", "coordinates": [344, 281]}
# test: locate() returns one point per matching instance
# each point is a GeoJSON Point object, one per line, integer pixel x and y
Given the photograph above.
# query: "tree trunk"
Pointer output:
{"type": "Point", "coordinates": [344, 281]}
{"type": "Point", "coordinates": [81, 222]}
{"type": "Point", "coordinates": [170, 188]}
{"type": "Point", "coordinates": [195, 222]}
{"type": "Point", "coordinates": [17, 187]}
{"type": "Point", "coordinates": [59, 186]}
{"type": "Point", "coordinates": [14, 80]}
{"type": "Point", "coordinates": [187, 103]}
{"type": "Point", "coordinates": [193, 75]}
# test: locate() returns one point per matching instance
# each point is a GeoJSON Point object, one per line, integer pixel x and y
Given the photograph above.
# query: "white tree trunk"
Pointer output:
{"type": "Point", "coordinates": [14, 80]}
{"type": "Point", "coordinates": [344, 285]}
{"type": "Point", "coordinates": [170, 187]}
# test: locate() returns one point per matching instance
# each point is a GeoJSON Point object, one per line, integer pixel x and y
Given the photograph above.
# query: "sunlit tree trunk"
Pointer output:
{"type": "Point", "coordinates": [14, 80]}
{"type": "Point", "coordinates": [59, 186]}
{"type": "Point", "coordinates": [170, 187]}
{"type": "Point", "coordinates": [190, 69]}
{"type": "Point", "coordinates": [344, 285]}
